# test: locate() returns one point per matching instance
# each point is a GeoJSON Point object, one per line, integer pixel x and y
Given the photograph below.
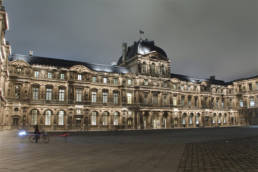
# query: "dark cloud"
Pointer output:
{"type": "Point", "coordinates": [202, 37]}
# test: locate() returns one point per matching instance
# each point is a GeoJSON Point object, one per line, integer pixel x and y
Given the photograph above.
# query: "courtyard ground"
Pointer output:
{"type": "Point", "coordinates": [210, 149]}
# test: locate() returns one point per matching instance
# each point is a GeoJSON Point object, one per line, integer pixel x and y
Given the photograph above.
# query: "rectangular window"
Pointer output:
{"type": "Point", "coordinates": [61, 118]}
{"type": "Point", "coordinates": [115, 98]}
{"type": "Point", "coordinates": [93, 97]}
{"type": "Point", "coordinates": [174, 100]}
{"type": "Point", "coordinates": [129, 82]}
{"type": "Point", "coordinates": [256, 85]}
{"type": "Point", "coordinates": [241, 103]}
{"type": "Point", "coordinates": [34, 117]}
{"type": "Point", "coordinates": [129, 98]}
{"type": "Point", "coordinates": [94, 79]}
{"type": "Point", "coordinates": [48, 118]}
{"type": "Point", "coordinates": [104, 80]}
{"type": "Point", "coordinates": [252, 103]}
{"type": "Point", "coordinates": [105, 97]}
{"type": "Point", "coordinates": [115, 81]}
{"type": "Point", "coordinates": [36, 74]}
{"type": "Point", "coordinates": [145, 82]}
{"type": "Point", "coordinates": [49, 94]}
{"type": "Point", "coordinates": [35, 93]}
{"type": "Point", "coordinates": [94, 118]}
{"type": "Point", "coordinates": [49, 75]}
{"type": "Point", "coordinates": [62, 76]}
{"type": "Point", "coordinates": [182, 100]}
{"type": "Point", "coordinates": [79, 77]}
{"type": "Point", "coordinates": [78, 95]}
{"type": "Point", "coordinates": [250, 86]}
{"type": "Point", "coordinates": [61, 94]}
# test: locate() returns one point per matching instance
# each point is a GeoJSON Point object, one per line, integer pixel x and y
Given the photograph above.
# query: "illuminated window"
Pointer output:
{"type": "Point", "coordinates": [79, 77]}
{"type": "Point", "coordinates": [48, 117]}
{"type": "Point", "coordinates": [129, 98]}
{"type": "Point", "coordinates": [61, 117]}
{"type": "Point", "coordinates": [49, 75]}
{"type": "Point", "coordinates": [61, 94]}
{"type": "Point", "coordinates": [35, 93]}
{"type": "Point", "coordinates": [78, 111]}
{"type": "Point", "coordinates": [62, 76]}
{"type": "Point", "coordinates": [105, 96]}
{"type": "Point", "coordinates": [34, 117]}
{"type": "Point", "coordinates": [116, 119]}
{"type": "Point", "coordinates": [93, 96]}
{"type": "Point", "coordinates": [252, 103]}
{"type": "Point", "coordinates": [105, 118]}
{"type": "Point", "coordinates": [49, 94]}
{"type": "Point", "coordinates": [94, 118]}
{"type": "Point", "coordinates": [94, 79]}
{"type": "Point", "coordinates": [241, 103]}
{"type": "Point", "coordinates": [104, 80]}
{"type": "Point", "coordinates": [115, 81]}
{"type": "Point", "coordinates": [115, 94]}
{"type": "Point", "coordinates": [175, 100]}
{"type": "Point", "coordinates": [36, 74]}
{"type": "Point", "coordinates": [145, 82]}
{"type": "Point", "coordinates": [78, 95]}
{"type": "Point", "coordinates": [129, 82]}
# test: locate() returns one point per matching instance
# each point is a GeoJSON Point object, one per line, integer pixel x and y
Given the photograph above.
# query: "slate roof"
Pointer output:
{"type": "Point", "coordinates": [143, 47]}
{"type": "Point", "coordinates": [36, 60]}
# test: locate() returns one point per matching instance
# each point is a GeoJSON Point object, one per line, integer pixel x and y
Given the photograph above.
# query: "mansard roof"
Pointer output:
{"type": "Point", "coordinates": [143, 47]}
{"type": "Point", "coordinates": [46, 61]}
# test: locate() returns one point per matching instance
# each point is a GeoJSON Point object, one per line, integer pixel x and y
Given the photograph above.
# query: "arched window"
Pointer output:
{"type": "Point", "coordinates": [61, 117]}
{"type": "Point", "coordinates": [197, 120]}
{"type": "Point", "coordinates": [116, 118]}
{"type": "Point", "coordinates": [34, 117]}
{"type": "Point", "coordinates": [214, 118]}
{"type": "Point", "coordinates": [184, 119]}
{"type": "Point", "coordinates": [225, 118]}
{"type": "Point", "coordinates": [94, 118]}
{"type": "Point", "coordinates": [191, 119]}
{"type": "Point", "coordinates": [48, 117]}
{"type": "Point", "coordinates": [105, 118]}
{"type": "Point", "coordinates": [219, 119]}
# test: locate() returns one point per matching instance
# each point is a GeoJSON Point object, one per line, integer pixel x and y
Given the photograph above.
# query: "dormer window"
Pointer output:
{"type": "Point", "coordinates": [49, 75]}
{"type": "Point", "coordinates": [79, 77]}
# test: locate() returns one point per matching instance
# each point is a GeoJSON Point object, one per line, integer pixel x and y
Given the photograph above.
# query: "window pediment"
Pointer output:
{"type": "Point", "coordinates": [80, 69]}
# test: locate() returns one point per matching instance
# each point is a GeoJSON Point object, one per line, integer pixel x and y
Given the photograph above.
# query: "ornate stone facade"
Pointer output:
{"type": "Point", "coordinates": [138, 93]}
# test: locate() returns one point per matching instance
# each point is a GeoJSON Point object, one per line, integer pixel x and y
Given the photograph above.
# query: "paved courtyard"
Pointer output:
{"type": "Point", "coordinates": [218, 149]}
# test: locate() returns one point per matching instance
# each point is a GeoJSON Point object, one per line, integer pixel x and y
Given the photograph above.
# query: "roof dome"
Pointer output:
{"type": "Point", "coordinates": [143, 47]}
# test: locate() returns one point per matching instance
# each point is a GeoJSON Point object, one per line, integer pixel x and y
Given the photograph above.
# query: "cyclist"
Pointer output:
{"type": "Point", "coordinates": [36, 133]}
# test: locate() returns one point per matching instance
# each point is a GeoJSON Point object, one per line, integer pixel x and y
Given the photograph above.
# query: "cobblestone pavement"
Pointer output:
{"type": "Point", "coordinates": [153, 151]}
{"type": "Point", "coordinates": [229, 155]}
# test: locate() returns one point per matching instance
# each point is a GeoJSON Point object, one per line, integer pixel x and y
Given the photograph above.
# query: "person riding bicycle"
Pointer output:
{"type": "Point", "coordinates": [36, 133]}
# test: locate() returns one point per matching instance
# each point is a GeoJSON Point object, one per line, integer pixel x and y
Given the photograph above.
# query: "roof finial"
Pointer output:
{"type": "Point", "coordinates": [141, 34]}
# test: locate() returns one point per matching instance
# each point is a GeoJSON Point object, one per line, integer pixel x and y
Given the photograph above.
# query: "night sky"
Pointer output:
{"type": "Point", "coordinates": [201, 37]}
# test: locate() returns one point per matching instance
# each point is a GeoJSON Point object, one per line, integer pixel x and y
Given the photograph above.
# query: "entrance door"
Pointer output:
{"type": "Point", "coordinates": [15, 122]}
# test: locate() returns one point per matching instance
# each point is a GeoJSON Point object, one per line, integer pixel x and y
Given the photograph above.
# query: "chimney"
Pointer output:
{"type": "Point", "coordinates": [124, 51]}
{"type": "Point", "coordinates": [30, 53]}
{"type": "Point", "coordinates": [212, 78]}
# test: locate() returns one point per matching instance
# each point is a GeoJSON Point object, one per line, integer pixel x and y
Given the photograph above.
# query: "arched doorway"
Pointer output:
{"type": "Point", "coordinates": [15, 121]}
{"type": "Point", "coordinates": [164, 119]}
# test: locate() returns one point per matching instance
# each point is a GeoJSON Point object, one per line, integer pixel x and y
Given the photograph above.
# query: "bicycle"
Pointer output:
{"type": "Point", "coordinates": [41, 138]}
